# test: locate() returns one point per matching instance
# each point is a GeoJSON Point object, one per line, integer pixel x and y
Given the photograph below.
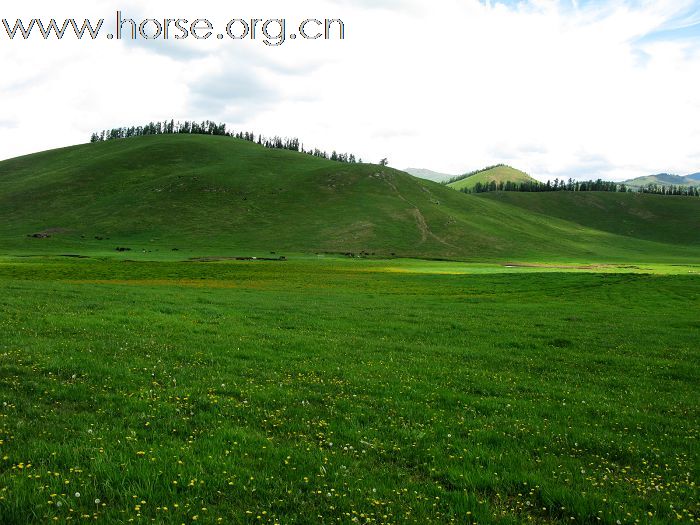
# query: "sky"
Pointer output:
{"type": "Point", "coordinates": [580, 89]}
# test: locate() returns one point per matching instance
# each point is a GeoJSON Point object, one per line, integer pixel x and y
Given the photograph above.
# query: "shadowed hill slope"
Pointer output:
{"type": "Point", "coordinates": [659, 218]}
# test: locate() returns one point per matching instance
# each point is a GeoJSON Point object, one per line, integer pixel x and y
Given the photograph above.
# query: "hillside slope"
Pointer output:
{"type": "Point", "coordinates": [496, 174]}
{"type": "Point", "coordinates": [660, 218]}
{"type": "Point", "coordinates": [221, 196]}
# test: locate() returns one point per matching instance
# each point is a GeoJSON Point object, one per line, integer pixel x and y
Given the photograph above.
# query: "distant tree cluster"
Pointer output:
{"type": "Point", "coordinates": [211, 128]}
{"type": "Point", "coordinates": [162, 128]}
{"type": "Point", "coordinates": [572, 185]}
{"type": "Point", "coordinates": [658, 189]}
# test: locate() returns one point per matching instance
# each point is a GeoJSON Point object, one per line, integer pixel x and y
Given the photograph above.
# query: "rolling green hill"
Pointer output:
{"type": "Point", "coordinates": [496, 174]}
{"type": "Point", "coordinates": [218, 196]}
{"type": "Point", "coordinates": [664, 179]}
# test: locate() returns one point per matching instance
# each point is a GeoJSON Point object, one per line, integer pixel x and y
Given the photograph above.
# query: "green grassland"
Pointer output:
{"type": "Point", "coordinates": [407, 354]}
{"type": "Point", "coordinates": [321, 390]}
{"type": "Point", "coordinates": [217, 196]}
{"type": "Point", "coordinates": [496, 174]}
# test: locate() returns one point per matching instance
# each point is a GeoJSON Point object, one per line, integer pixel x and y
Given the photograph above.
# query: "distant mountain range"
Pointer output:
{"type": "Point", "coordinates": [498, 173]}
{"type": "Point", "coordinates": [665, 179]}
{"type": "Point", "coordinates": [428, 174]}
{"type": "Point", "coordinates": [503, 173]}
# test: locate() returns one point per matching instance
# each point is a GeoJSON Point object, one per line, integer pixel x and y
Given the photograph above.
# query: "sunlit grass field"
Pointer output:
{"type": "Point", "coordinates": [320, 390]}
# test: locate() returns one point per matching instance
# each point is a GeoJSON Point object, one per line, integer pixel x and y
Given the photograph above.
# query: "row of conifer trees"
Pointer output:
{"type": "Point", "coordinates": [208, 127]}
{"type": "Point", "coordinates": [589, 185]}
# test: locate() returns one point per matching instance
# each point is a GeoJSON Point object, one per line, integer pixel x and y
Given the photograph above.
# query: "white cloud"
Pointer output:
{"type": "Point", "coordinates": [559, 89]}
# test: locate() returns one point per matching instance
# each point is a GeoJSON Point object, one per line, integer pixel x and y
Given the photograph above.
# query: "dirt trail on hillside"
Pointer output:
{"type": "Point", "coordinates": [421, 223]}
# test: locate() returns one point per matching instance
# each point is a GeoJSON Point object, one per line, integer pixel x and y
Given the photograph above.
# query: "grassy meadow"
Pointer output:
{"type": "Point", "coordinates": [324, 390]}
{"type": "Point", "coordinates": [408, 354]}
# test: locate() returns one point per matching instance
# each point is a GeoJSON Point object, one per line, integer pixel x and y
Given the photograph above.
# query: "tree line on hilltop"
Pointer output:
{"type": "Point", "coordinates": [211, 128]}
{"type": "Point", "coordinates": [572, 185]}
